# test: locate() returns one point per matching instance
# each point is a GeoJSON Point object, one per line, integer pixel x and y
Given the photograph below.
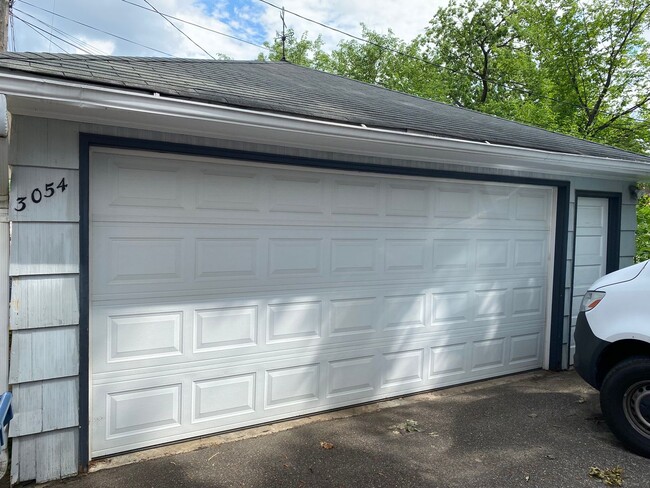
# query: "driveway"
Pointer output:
{"type": "Point", "coordinates": [538, 429]}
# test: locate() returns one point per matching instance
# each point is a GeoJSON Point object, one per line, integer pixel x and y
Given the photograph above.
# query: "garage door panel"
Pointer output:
{"type": "Point", "coordinates": [199, 401]}
{"type": "Point", "coordinates": [265, 194]}
{"type": "Point", "coordinates": [229, 293]}
{"type": "Point", "coordinates": [188, 259]}
{"type": "Point", "coordinates": [127, 337]}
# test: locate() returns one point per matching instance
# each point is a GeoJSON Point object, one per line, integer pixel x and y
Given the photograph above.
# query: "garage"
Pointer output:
{"type": "Point", "coordinates": [228, 293]}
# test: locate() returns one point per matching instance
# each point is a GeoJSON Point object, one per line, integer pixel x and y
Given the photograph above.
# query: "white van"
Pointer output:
{"type": "Point", "coordinates": [612, 340]}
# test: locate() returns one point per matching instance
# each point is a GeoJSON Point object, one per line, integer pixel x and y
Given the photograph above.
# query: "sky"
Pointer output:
{"type": "Point", "coordinates": [136, 25]}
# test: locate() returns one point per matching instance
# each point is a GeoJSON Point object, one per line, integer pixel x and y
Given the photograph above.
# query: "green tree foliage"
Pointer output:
{"type": "Point", "coordinates": [386, 60]}
{"type": "Point", "coordinates": [643, 229]}
{"type": "Point", "coordinates": [596, 63]}
{"type": "Point", "coordinates": [297, 50]}
{"type": "Point", "coordinates": [478, 44]}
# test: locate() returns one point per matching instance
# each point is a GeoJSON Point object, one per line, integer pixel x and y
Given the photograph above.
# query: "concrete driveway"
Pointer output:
{"type": "Point", "coordinates": [538, 429]}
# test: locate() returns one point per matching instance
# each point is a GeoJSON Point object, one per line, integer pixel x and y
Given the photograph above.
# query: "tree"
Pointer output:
{"type": "Point", "coordinates": [302, 50]}
{"type": "Point", "coordinates": [479, 47]}
{"type": "Point", "coordinates": [596, 62]}
{"type": "Point", "coordinates": [386, 60]}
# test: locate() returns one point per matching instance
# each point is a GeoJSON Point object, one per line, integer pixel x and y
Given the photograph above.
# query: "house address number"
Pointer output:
{"type": "Point", "coordinates": [37, 196]}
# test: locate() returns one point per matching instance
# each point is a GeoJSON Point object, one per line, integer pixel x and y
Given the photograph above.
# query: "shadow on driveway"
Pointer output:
{"type": "Point", "coordinates": [533, 430]}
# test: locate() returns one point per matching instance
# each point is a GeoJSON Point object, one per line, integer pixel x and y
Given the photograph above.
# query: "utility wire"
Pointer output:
{"type": "Point", "coordinates": [12, 24]}
{"type": "Point", "coordinates": [97, 29]}
{"type": "Point", "coordinates": [38, 31]}
{"type": "Point", "coordinates": [179, 30]}
{"type": "Point", "coordinates": [81, 42]}
{"type": "Point", "coordinates": [261, 46]}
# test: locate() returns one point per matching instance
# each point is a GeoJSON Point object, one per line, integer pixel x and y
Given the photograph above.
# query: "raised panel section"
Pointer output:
{"type": "Point", "coordinates": [407, 200]}
{"type": "Point", "coordinates": [451, 254]}
{"type": "Point", "coordinates": [406, 255]}
{"type": "Point", "coordinates": [294, 321]}
{"type": "Point", "coordinates": [226, 258]}
{"type": "Point", "coordinates": [492, 253]}
{"type": "Point", "coordinates": [150, 184]}
{"type": "Point", "coordinates": [404, 311]}
{"type": "Point", "coordinates": [348, 376]}
{"type": "Point", "coordinates": [145, 260]}
{"type": "Point", "coordinates": [355, 198]}
{"type": "Point", "coordinates": [488, 354]}
{"type": "Point", "coordinates": [494, 204]}
{"type": "Point", "coordinates": [291, 386]}
{"type": "Point", "coordinates": [228, 190]}
{"type": "Point", "coordinates": [295, 257]}
{"type": "Point", "coordinates": [145, 410]}
{"type": "Point", "coordinates": [527, 300]}
{"type": "Point", "coordinates": [400, 368]}
{"type": "Point", "coordinates": [450, 308]}
{"type": "Point", "coordinates": [354, 255]}
{"type": "Point", "coordinates": [454, 201]}
{"type": "Point", "coordinates": [225, 328]}
{"type": "Point", "coordinates": [353, 316]}
{"type": "Point", "coordinates": [532, 205]}
{"type": "Point", "coordinates": [296, 194]}
{"type": "Point", "coordinates": [223, 397]}
{"type": "Point", "coordinates": [529, 253]}
{"type": "Point", "coordinates": [525, 348]}
{"type": "Point", "coordinates": [144, 336]}
{"type": "Point", "coordinates": [448, 360]}
{"type": "Point", "coordinates": [490, 304]}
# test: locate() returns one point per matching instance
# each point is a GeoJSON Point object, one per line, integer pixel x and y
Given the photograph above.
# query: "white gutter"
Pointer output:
{"type": "Point", "coordinates": [43, 97]}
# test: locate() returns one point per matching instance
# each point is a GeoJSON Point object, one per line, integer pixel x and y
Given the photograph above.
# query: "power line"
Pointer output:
{"type": "Point", "coordinates": [98, 30]}
{"type": "Point", "coordinates": [38, 31]}
{"type": "Point", "coordinates": [261, 46]}
{"type": "Point", "coordinates": [179, 30]}
{"type": "Point", "coordinates": [507, 84]}
{"type": "Point", "coordinates": [12, 23]}
{"type": "Point", "coordinates": [81, 42]}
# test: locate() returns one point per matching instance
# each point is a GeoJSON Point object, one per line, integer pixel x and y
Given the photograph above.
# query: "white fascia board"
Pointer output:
{"type": "Point", "coordinates": [60, 99]}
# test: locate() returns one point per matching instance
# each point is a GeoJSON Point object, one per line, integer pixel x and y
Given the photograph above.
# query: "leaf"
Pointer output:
{"type": "Point", "coordinates": [326, 445]}
{"type": "Point", "coordinates": [610, 477]}
{"type": "Point", "coordinates": [532, 415]}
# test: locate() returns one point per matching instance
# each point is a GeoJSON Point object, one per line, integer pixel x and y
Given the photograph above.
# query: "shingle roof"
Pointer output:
{"type": "Point", "coordinates": [282, 87]}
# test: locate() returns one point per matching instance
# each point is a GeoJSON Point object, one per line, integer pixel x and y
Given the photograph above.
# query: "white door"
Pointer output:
{"type": "Point", "coordinates": [228, 293]}
{"type": "Point", "coordinates": [590, 261]}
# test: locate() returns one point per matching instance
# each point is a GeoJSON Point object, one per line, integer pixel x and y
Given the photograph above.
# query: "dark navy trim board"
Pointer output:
{"type": "Point", "coordinates": [86, 141]}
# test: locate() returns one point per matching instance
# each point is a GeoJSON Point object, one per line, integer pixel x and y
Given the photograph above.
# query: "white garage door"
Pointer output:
{"type": "Point", "coordinates": [225, 294]}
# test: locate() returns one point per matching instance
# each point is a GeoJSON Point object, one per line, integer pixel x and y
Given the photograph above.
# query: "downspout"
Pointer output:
{"type": "Point", "coordinates": [4, 259]}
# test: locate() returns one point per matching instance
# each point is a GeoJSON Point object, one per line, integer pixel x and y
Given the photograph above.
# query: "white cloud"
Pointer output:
{"type": "Point", "coordinates": [247, 19]}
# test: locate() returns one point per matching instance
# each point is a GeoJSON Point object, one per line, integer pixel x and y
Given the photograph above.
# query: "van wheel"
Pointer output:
{"type": "Point", "coordinates": [625, 402]}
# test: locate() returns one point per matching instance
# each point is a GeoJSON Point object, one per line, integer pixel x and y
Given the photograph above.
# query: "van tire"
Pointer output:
{"type": "Point", "coordinates": [625, 403]}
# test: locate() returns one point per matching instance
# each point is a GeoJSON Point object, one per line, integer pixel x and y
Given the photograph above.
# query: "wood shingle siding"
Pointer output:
{"type": "Point", "coordinates": [44, 304]}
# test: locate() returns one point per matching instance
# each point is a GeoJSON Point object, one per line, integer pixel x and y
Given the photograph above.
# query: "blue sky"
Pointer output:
{"type": "Point", "coordinates": [250, 20]}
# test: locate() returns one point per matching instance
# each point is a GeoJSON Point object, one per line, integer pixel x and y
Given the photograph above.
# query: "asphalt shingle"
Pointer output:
{"type": "Point", "coordinates": [286, 88]}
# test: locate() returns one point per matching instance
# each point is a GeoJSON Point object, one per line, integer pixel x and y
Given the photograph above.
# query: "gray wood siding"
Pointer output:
{"type": "Point", "coordinates": [46, 456]}
{"type": "Point", "coordinates": [43, 406]}
{"type": "Point", "coordinates": [45, 281]}
{"type": "Point", "coordinates": [41, 354]}
{"type": "Point", "coordinates": [44, 248]}
{"type": "Point", "coordinates": [44, 301]}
